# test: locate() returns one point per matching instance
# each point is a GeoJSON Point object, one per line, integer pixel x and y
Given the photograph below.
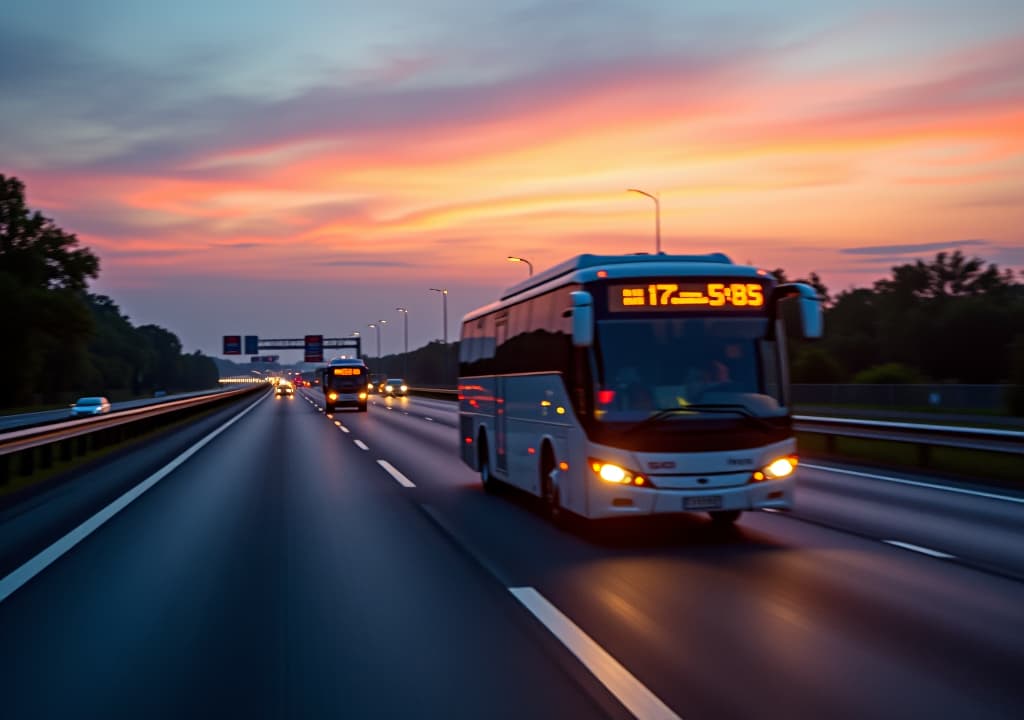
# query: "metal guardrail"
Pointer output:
{"type": "Point", "coordinates": [33, 447]}
{"type": "Point", "coordinates": [924, 437]}
{"type": "Point", "coordinates": [988, 439]}
{"type": "Point", "coordinates": [440, 393]}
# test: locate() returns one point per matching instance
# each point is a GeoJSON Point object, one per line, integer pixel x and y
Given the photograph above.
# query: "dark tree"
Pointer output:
{"type": "Point", "coordinates": [46, 322]}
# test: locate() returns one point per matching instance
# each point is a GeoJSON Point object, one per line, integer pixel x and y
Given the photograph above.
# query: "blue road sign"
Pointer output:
{"type": "Point", "coordinates": [232, 344]}
{"type": "Point", "coordinates": [314, 348]}
{"type": "Point", "coordinates": [252, 344]}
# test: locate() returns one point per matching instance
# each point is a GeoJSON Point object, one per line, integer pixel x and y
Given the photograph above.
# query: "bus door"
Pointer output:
{"type": "Point", "coordinates": [500, 414]}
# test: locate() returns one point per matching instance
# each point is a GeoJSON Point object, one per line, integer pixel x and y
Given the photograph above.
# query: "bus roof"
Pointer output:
{"type": "Point", "coordinates": [345, 361]}
{"type": "Point", "coordinates": [586, 268]}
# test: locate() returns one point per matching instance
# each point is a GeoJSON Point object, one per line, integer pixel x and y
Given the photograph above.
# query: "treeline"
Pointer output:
{"type": "Point", "coordinates": [951, 319]}
{"type": "Point", "coordinates": [433, 365]}
{"type": "Point", "coordinates": [59, 339]}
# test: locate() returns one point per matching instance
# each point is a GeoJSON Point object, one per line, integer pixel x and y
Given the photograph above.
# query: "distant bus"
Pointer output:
{"type": "Point", "coordinates": [344, 383]}
{"type": "Point", "coordinates": [635, 385]}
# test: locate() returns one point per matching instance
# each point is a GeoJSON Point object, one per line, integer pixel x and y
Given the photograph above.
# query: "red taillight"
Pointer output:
{"type": "Point", "coordinates": [469, 441]}
{"type": "Point", "coordinates": [605, 397]}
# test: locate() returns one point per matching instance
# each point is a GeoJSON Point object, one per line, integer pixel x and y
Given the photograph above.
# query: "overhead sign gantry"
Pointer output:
{"type": "Point", "coordinates": [313, 346]}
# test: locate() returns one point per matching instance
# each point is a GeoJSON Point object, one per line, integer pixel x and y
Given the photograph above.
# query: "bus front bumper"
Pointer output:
{"type": "Point", "coordinates": [607, 500]}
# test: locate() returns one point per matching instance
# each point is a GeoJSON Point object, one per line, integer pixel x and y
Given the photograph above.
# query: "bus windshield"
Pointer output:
{"type": "Point", "coordinates": [708, 364]}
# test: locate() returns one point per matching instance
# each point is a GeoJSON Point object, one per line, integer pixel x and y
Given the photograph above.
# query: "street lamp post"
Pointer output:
{"type": "Point", "coordinates": [405, 357]}
{"type": "Point", "coordinates": [529, 264]}
{"type": "Point", "coordinates": [444, 306]}
{"type": "Point", "coordinates": [657, 217]}
{"type": "Point", "coordinates": [377, 325]}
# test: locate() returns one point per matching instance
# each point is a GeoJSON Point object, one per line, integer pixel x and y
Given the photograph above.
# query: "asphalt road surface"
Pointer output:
{"type": "Point", "coordinates": [299, 565]}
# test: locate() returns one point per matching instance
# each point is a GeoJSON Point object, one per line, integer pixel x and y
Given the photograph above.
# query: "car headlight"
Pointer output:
{"type": "Point", "coordinates": [405, 388]}
{"type": "Point", "coordinates": [612, 473]}
{"type": "Point", "coordinates": [332, 396]}
{"type": "Point", "coordinates": [389, 388]}
{"type": "Point", "coordinates": [362, 396]}
{"type": "Point", "coordinates": [783, 467]}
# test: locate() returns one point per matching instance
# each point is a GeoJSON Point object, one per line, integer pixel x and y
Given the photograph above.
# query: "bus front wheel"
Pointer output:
{"type": "Point", "coordinates": [548, 488]}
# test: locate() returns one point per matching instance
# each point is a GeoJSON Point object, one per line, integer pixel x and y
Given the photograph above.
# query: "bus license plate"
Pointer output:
{"type": "Point", "coordinates": [704, 502]}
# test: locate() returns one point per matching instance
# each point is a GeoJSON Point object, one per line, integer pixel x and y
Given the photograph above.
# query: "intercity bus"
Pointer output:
{"type": "Point", "coordinates": [636, 385]}
{"type": "Point", "coordinates": [344, 382]}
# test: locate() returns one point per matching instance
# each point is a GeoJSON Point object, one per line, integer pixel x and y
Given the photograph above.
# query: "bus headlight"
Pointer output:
{"type": "Point", "coordinates": [777, 469]}
{"type": "Point", "coordinates": [612, 473]}
{"type": "Point", "coordinates": [388, 388]}
{"type": "Point", "coordinates": [332, 396]}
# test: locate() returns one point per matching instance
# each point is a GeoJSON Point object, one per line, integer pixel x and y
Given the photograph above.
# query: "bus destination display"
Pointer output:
{"type": "Point", "coordinates": [348, 371]}
{"type": "Point", "coordinates": [731, 295]}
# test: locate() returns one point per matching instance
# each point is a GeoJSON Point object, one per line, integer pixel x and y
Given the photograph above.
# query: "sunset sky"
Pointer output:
{"type": "Point", "coordinates": [279, 169]}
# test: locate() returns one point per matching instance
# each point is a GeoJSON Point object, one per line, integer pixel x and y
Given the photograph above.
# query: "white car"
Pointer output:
{"type": "Point", "coordinates": [395, 387]}
{"type": "Point", "coordinates": [88, 406]}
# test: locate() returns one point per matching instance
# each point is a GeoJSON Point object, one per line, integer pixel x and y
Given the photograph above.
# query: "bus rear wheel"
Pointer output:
{"type": "Point", "coordinates": [487, 480]}
{"type": "Point", "coordinates": [725, 518]}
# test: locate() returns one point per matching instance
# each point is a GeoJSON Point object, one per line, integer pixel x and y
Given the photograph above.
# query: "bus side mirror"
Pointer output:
{"type": "Point", "coordinates": [582, 319]}
{"type": "Point", "coordinates": [809, 311]}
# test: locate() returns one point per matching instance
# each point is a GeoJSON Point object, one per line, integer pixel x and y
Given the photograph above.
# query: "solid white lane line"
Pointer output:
{"type": "Point", "coordinates": [343, 429]}
{"type": "Point", "coordinates": [629, 691]}
{"type": "Point", "coordinates": [47, 557]}
{"type": "Point", "coordinates": [396, 474]}
{"type": "Point", "coordinates": [360, 444]}
{"type": "Point", "coordinates": [915, 483]}
{"type": "Point", "coordinates": [919, 549]}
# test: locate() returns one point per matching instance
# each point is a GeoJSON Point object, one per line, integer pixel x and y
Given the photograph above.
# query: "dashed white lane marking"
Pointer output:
{"type": "Point", "coordinates": [919, 549]}
{"type": "Point", "coordinates": [915, 483]}
{"type": "Point", "coordinates": [360, 444]}
{"type": "Point", "coordinates": [343, 428]}
{"type": "Point", "coordinates": [428, 419]}
{"type": "Point", "coordinates": [396, 474]}
{"type": "Point", "coordinates": [629, 691]}
{"type": "Point", "coordinates": [45, 558]}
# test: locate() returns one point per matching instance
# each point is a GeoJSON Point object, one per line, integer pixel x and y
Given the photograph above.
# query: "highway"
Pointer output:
{"type": "Point", "coordinates": [299, 565]}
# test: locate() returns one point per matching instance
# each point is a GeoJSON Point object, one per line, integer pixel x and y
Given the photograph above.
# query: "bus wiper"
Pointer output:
{"type": "Point", "coordinates": [732, 408]}
{"type": "Point", "coordinates": [698, 408]}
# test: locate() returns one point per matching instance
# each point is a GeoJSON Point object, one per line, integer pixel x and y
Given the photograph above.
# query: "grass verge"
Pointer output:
{"type": "Point", "coordinates": [990, 467]}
